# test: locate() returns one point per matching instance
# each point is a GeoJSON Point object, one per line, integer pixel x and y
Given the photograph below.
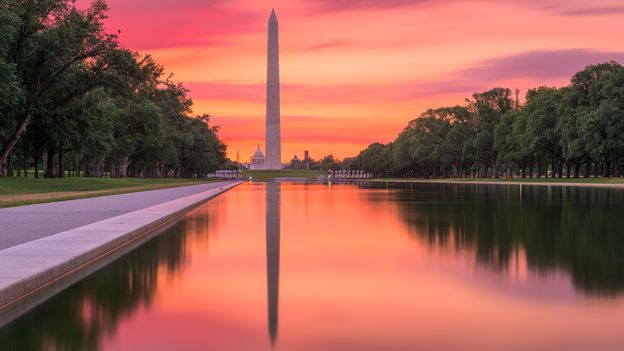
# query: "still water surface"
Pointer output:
{"type": "Point", "coordinates": [347, 267]}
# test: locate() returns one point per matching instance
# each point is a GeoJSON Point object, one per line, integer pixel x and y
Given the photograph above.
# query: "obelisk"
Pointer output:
{"type": "Point", "coordinates": [273, 138]}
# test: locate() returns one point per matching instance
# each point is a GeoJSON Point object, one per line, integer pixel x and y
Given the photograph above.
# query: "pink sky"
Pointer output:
{"type": "Point", "coordinates": [355, 72]}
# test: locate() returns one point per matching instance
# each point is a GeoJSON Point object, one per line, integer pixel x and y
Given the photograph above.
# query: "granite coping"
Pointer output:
{"type": "Point", "coordinates": [27, 268]}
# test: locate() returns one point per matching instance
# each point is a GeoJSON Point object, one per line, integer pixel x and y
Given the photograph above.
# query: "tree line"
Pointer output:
{"type": "Point", "coordinates": [73, 101]}
{"type": "Point", "coordinates": [573, 131]}
{"type": "Point", "coordinates": [327, 163]}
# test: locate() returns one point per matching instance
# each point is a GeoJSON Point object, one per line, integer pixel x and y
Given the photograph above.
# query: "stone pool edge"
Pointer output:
{"type": "Point", "coordinates": [485, 182]}
{"type": "Point", "coordinates": [33, 272]}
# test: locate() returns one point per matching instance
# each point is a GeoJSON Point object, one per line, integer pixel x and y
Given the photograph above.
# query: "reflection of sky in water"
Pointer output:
{"type": "Point", "coordinates": [429, 267]}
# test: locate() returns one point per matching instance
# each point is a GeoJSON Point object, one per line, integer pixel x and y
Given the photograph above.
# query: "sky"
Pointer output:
{"type": "Point", "coordinates": [354, 72]}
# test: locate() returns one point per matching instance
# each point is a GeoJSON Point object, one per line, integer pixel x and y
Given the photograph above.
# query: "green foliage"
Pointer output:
{"type": "Point", "coordinates": [329, 163]}
{"type": "Point", "coordinates": [580, 126]}
{"type": "Point", "coordinates": [11, 93]}
{"type": "Point", "coordinates": [376, 158]}
{"type": "Point", "coordinates": [70, 92]}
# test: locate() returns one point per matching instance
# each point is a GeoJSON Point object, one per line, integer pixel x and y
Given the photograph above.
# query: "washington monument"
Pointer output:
{"type": "Point", "coordinates": [273, 137]}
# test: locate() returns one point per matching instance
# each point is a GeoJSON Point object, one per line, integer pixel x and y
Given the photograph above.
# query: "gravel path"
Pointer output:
{"type": "Point", "coordinates": [26, 223]}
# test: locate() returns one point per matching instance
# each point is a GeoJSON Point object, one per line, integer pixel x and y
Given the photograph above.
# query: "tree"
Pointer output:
{"type": "Point", "coordinates": [488, 108]}
{"type": "Point", "coordinates": [504, 142]}
{"type": "Point", "coordinates": [70, 93]}
{"type": "Point", "coordinates": [11, 92]}
{"type": "Point", "coordinates": [541, 133]}
{"type": "Point", "coordinates": [329, 163]}
{"type": "Point", "coordinates": [375, 158]}
{"type": "Point", "coordinates": [55, 53]}
{"type": "Point", "coordinates": [595, 101]}
{"type": "Point", "coordinates": [568, 123]}
{"type": "Point", "coordinates": [461, 130]}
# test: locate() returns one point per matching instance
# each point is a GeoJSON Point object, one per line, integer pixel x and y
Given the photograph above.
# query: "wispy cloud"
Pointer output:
{"type": "Point", "coordinates": [293, 93]}
{"type": "Point", "coordinates": [343, 5]}
{"type": "Point", "coordinates": [539, 67]}
{"type": "Point", "coordinates": [329, 45]}
{"type": "Point", "coordinates": [537, 64]}
{"type": "Point", "coordinates": [576, 7]}
{"type": "Point", "coordinates": [593, 11]}
{"type": "Point", "coordinates": [567, 8]}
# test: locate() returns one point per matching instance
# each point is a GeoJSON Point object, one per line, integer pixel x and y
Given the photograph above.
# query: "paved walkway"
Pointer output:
{"type": "Point", "coordinates": [26, 223]}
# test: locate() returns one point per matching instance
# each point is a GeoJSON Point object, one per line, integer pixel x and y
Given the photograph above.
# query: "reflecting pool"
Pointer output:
{"type": "Point", "coordinates": [358, 267]}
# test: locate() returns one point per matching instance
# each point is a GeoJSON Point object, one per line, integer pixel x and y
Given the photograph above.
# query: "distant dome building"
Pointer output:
{"type": "Point", "coordinates": [257, 160]}
{"type": "Point", "coordinates": [295, 163]}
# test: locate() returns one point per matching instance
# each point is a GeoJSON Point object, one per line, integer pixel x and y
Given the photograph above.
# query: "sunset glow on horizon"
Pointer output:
{"type": "Point", "coordinates": [355, 72]}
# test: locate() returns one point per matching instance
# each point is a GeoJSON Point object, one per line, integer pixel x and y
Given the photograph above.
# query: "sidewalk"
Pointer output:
{"type": "Point", "coordinates": [26, 223]}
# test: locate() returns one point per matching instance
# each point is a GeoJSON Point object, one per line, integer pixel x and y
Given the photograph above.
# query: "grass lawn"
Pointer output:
{"type": "Point", "coordinates": [15, 191]}
{"type": "Point", "coordinates": [263, 176]}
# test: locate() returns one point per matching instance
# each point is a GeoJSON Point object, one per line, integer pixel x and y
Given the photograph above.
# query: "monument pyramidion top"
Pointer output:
{"type": "Point", "coordinates": [273, 18]}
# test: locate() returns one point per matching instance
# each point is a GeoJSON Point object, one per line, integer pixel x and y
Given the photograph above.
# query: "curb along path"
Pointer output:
{"type": "Point", "coordinates": [32, 272]}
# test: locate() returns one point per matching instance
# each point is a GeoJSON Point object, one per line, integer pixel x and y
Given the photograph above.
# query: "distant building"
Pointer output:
{"type": "Point", "coordinates": [257, 160]}
{"type": "Point", "coordinates": [306, 160]}
{"type": "Point", "coordinates": [295, 163]}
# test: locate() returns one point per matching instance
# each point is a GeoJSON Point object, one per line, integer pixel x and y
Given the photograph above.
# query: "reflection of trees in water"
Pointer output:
{"type": "Point", "coordinates": [203, 220]}
{"type": "Point", "coordinates": [579, 230]}
{"type": "Point", "coordinates": [80, 316]}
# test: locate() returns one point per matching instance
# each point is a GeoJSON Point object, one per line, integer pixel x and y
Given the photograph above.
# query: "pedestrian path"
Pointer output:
{"type": "Point", "coordinates": [22, 224]}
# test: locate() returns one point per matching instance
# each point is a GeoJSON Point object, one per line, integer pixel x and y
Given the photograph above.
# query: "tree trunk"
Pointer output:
{"type": "Point", "coordinates": [50, 165]}
{"type": "Point", "coordinates": [36, 168]}
{"type": "Point", "coordinates": [567, 166]}
{"type": "Point", "coordinates": [10, 144]}
{"type": "Point", "coordinates": [100, 167]}
{"type": "Point", "coordinates": [10, 165]}
{"type": "Point", "coordinates": [60, 166]}
{"type": "Point", "coordinates": [85, 166]}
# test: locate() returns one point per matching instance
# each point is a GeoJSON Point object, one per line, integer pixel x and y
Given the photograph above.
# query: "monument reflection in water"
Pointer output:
{"type": "Point", "coordinates": [273, 254]}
